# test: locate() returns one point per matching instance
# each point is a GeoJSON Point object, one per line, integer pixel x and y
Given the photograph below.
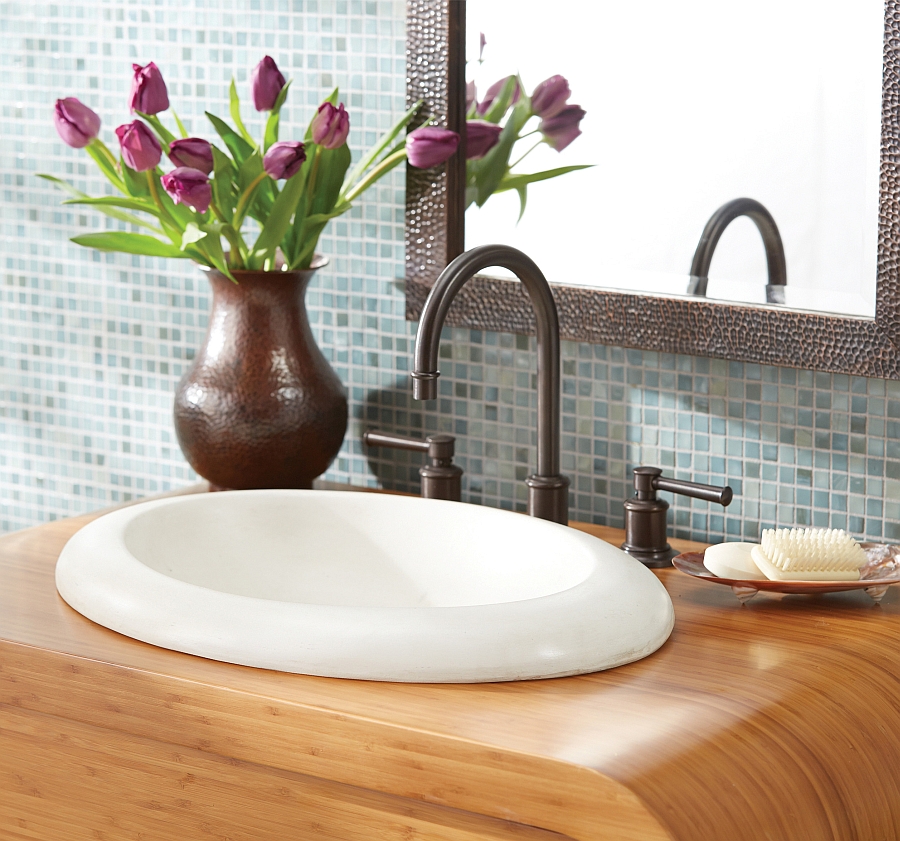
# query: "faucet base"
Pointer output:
{"type": "Point", "coordinates": [548, 498]}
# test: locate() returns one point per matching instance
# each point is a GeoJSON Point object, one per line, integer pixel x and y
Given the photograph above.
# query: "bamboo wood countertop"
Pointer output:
{"type": "Point", "coordinates": [775, 720]}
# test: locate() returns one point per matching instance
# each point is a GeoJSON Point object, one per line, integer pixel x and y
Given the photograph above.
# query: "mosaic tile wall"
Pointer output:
{"type": "Point", "coordinates": [91, 346]}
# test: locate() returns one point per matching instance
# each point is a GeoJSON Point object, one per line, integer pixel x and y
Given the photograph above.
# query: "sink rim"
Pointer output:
{"type": "Point", "coordinates": [469, 643]}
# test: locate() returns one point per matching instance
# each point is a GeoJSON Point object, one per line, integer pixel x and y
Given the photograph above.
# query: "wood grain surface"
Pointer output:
{"type": "Point", "coordinates": [776, 720]}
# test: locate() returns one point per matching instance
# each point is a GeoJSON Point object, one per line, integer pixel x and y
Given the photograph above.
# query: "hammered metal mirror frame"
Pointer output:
{"type": "Point", "coordinates": [768, 335]}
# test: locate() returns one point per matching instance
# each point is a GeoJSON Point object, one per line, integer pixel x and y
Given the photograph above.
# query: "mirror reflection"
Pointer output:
{"type": "Point", "coordinates": [689, 106]}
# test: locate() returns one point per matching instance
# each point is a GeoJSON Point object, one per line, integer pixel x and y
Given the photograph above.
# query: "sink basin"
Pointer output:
{"type": "Point", "coordinates": [368, 586]}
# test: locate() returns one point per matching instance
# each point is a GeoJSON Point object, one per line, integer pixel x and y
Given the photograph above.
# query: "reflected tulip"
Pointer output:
{"type": "Point", "coordinates": [76, 124]}
{"type": "Point", "coordinates": [330, 126]}
{"type": "Point", "coordinates": [194, 152]}
{"type": "Point", "coordinates": [550, 97]}
{"type": "Point", "coordinates": [284, 159]}
{"type": "Point", "coordinates": [140, 148]}
{"type": "Point", "coordinates": [266, 83]}
{"type": "Point", "coordinates": [481, 137]}
{"type": "Point", "coordinates": [148, 90]}
{"type": "Point", "coordinates": [188, 186]}
{"type": "Point", "coordinates": [471, 95]}
{"type": "Point", "coordinates": [429, 146]}
{"type": "Point", "coordinates": [562, 128]}
{"type": "Point", "coordinates": [494, 91]}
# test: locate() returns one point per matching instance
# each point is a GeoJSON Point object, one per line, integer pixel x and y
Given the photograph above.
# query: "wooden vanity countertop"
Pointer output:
{"type": "Point", "coordinates": [779, 719]}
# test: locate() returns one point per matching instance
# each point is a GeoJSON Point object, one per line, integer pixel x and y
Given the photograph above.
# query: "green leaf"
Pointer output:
{"type": "Point", "coordinates": [376, 151]}
{"type": "Point", "coordinates": [180, 124]}
{"type": "Point", "coordinates": [135, 182]}
{"type": "Point", "coordinates": [234, 103]}
{"type": "Point", "coordinates": [213, 248]}
{"type": "Point", "coordinates": [492, 168]}
{"type": "Point", "coordinates": [192, 234]}
{"type": "Point", "coordinates": [116, 201]}
{"type": "Point", "coordinates": [329, 178]}
{"type": "Point", "coordinates": [104, 160]}
{"type": "Point", "coordinates": [60, 184]}
{"type": "Point", "coordinates": [271, 133]}
{"type": "Point", "coordinates": [501, 104]}
{"type": "Point", "coordinates": [129, 244]}
{"type": "Point", "coordinates": [514, 182]}
{"type": "Point", "coordinates": [108, 204]}
{"type": "Point", "coordinates": [523, 198]}
{"type": "Point", "coordinates": [279, 220]}
{"type": "Point", "coordinates": [240, 149]}
{"type": "Point", "coordinates": [224, 194]}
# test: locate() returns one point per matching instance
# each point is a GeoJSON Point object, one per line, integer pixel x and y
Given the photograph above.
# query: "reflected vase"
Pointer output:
{"type": "Point", "coordinates": [260, 407]}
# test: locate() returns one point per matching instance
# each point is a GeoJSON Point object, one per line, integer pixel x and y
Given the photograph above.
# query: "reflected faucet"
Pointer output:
{"type": "Point", "coordinates": [768, 230]}
{"type": "Point", "coordinates": [548, 494]}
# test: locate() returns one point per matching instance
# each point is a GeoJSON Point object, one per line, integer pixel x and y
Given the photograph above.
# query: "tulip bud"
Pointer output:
{"type": "Point", "coordinates": [481, 137]}
{"type": "Point", "coordinates": [562, 128]}
{"type": "Point", "coordinates": [330, 126]}
{"type": "Point", "coordinates": [471, 95]}
{"type": "Point", "coordinates": [140, 148]}
{"type": "Point", "coordinates": [429, 146]}
{"type": "Point", "coordinates": [76, 123]}
{"type": "Point", "coordinates": [550, 96]}
{"type": "Point", "coordinates": [188, 186]}
{"type": "Point", "coordinates": [148, 90]}
{"type": "Point", "coordinates": [267, 83]}
{"type": "Point", "coordinates": [494, 91]}
{"type": "Point", "coordinates": [193, 152]}
{"type": "Point", "coordinates": [284, 159]}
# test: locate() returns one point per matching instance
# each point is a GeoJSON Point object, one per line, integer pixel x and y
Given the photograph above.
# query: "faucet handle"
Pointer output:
{"type": "Point", "coordinates": [646, 536]}
{"type": "Point", "coordinates": [441, 479]}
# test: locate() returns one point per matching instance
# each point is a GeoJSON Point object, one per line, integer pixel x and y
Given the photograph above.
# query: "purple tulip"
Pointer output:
{"type": "Point", "coordinates": [494, 91]}
{"type": "Point", "coordinates": [140, 148]}
{"type": "Point", "coordinates": [550, 96]}
{"type": "Point", "coordinates": [284, 159]}
{"type": "Point", "coordinates": [330, 126]}
{"type": "Point", "coordinates": [482, 41]}
{"type": "Point", "coordinates": [267, 83]}
{"type": "Point", "coordinates": [429, 146]}
{"type": "Point", "coordinates": [562, 128]}
{"type": "Point", "coordinates": [188, 186]}
{"type": "Point", "coordinates": [471, 95]}
{"type": "Point", "coordinates": [193, 152]}
{"type": "Point", "coordinates": [76, 123]}
{"type": "Point", "coordinates": [148, 90]}
{"type": "Point", "coordinates": [481, 137]}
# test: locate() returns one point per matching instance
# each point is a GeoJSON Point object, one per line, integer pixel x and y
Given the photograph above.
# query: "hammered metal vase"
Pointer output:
{"type": "Point", "coordinates": [260, 407]}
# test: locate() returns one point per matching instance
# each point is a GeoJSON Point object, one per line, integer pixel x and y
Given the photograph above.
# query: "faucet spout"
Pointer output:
{"type": "Point", "coordinates": [772, 243]}
{"type": "Point", "coordinates": [548, 496]}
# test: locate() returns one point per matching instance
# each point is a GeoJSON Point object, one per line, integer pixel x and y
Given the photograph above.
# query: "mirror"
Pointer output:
{"type": "Point", "coordinates": [690, 105]}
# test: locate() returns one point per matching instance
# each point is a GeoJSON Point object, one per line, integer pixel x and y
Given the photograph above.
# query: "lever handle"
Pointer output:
{"type": "Point", "coordinates": [649, 480]}
{"type": "Point", "coordinates": [646, 536]}
{"type": "Point", "coordinates": [711, 493]}
{"type": "Point", "coordinates": [441, 479]}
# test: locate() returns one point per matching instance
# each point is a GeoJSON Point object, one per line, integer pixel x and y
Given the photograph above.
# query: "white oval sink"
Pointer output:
{"type": "Point", "coordinates": [369, 586]}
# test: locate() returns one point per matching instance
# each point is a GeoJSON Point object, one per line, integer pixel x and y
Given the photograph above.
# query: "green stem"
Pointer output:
{"type": "Point", "coordinates": [527, 153]}
{"type": "Point", "coordinates": [374, 174]}
{"type": "Point", "coordinates": [243, 204]}
{"type": "Point", "coordinates": [164, 215]}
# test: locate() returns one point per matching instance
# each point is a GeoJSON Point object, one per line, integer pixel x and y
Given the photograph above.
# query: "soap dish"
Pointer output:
{"type": "Point", "coordinates": [881, 570]}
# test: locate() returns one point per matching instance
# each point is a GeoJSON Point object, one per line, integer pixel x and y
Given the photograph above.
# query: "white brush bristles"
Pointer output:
{"type": "Point", "coordinates": [809, 555]}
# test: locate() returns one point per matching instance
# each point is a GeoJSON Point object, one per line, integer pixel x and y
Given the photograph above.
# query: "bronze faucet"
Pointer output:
{"type": "Point", "coordinates": [768, 230]}
{"type": "Point", "coordinates": [548, 494]}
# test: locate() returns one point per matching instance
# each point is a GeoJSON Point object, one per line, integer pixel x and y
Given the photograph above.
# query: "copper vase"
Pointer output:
{"type": "Point", "coordinates": [260, 407]}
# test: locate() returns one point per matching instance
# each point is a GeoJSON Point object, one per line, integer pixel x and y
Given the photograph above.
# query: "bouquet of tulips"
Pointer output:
{"type": "Point", "coordinates": [291, 188]}
{"type": "Point", "coordinates": [504, 117]}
